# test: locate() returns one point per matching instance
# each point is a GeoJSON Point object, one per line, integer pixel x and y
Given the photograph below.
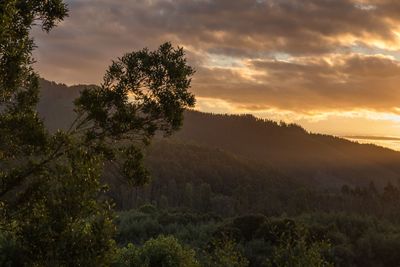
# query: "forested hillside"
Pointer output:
{"type": "Point", "coordinates": [236, 164]}
{"type": "Point", "coordinates": [260, 192]}
{"type": "Point", "coordinates": [319, 160]}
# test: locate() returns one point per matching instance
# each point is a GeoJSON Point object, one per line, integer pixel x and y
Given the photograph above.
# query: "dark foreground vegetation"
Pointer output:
{"type": "Point", "coordinates": [226, 191]}
{"type": "Point", "coordinates": [257, 216]}
{"type": "Point", "coordinates": [212, 201]}
{"type": "Point", "coordinates": [312, 239]}
{"type": "Point", "coordinates": [338, 205]}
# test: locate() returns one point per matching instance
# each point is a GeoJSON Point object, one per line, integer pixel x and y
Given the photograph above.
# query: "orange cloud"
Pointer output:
{"type": "Point", "coordinates": [297, 58]}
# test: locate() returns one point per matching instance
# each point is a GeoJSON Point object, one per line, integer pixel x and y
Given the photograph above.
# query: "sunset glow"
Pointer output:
{"type": "Point", "coordinates": [337, 72]}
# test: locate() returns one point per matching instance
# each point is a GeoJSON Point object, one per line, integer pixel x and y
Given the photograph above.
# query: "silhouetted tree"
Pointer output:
{"type": "Point", "coordinates": [50, 183]}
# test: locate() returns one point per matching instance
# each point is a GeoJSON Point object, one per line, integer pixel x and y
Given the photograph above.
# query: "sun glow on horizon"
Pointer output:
{"type": "Point", "coordinates": [337, 72]}
{"type": "Point", "coordinates": [340, 123]}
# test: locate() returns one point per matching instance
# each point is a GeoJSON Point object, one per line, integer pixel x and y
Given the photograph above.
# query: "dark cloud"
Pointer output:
{"type": "Point", "coordinates": [334, 83]}
{"type": "Point", "coordinates": [316, 38]}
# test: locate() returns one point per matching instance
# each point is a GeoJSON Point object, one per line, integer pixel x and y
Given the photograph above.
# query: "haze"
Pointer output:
{"type": "Point", "coordinates": [331, 66]}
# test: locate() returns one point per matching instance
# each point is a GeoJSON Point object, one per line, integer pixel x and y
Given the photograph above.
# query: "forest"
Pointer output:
{"type": "Point", "coordinates": [257, 163]}
{"type": "Point", "coordinates": [128, 174]}
{"type": "Point", "coordinates": [209, 196]}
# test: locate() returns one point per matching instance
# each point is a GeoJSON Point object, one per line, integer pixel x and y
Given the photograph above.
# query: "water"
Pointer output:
{"type": "Point", "coordinates": [388, 142]}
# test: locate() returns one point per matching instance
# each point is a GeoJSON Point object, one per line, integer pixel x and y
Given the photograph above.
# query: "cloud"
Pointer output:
{"type": "Point", "coordinates": [307, 84]}
{"type": "Point", "coordinates": [301, 56]}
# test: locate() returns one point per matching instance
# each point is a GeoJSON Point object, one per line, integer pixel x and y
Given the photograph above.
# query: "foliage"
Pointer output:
{"type": "Point", "coordinates": [202, 179]}
{"type": "Point", "coordinates": [148, 208]}
{"type": "Point", "coordinates": [220, 242]}
{"type": "Point", "coordinates": [318, 239]}
{"type": "Point", "coordinates": [126, 256]}
{"type": "Point", "coordinates": [297, 252]}
{"type": "Point", "coordinates": [51, 197]}
{"type": "Point", "coordinates": [164, 251]}
{"type": "Point", "coordinates": [224, 252]}
{"type": "Point", "coordinates": [9, 252]}
{"type": "Point", "coordinates": [356, 226]}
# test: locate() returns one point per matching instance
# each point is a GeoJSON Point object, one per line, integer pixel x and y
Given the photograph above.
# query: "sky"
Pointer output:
{"type": "Point", "coordinates": [332, 66]}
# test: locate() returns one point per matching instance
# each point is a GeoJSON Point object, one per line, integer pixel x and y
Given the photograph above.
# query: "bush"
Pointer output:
{"type": "Point", "coordinates": [10, 254]}
{"type": "Point", "coordinates": [163, 251]}
{"type": "Point", "coordinates": [224, 253]}
{"type": "Point", "coordinates": [148, 208]}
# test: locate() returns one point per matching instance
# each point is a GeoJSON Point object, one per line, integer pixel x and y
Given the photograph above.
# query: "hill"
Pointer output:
{"type": "Point", "coordinates": [322, 160]}
{"type": "Point", "coordinates": [319, 160]}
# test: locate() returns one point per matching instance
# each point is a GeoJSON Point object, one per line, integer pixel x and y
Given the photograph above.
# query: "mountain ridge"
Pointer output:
{"type": "Point", "coordinates": [322, 160]}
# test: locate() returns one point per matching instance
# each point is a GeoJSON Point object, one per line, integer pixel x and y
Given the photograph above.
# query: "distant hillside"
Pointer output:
{"type": "Point", "coordinates": [318, 160]}
{"type": "Point", "coordinates": [56, 103]}
{"type": "Point", "coordinates": [206, 179]}
{"type": "Point", "coordinates": [322, 159]}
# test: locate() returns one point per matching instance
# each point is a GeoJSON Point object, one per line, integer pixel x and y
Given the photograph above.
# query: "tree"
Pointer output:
{"type": "Point", "coordinates": [295, 249]}
{"type": "Point", "coordinates": [249, 224]}
{"type": "Point", "coordinates": [224, 252]}
{"type": "Point", "coordinates": [163, 251]}
{"type": "Point", "coordinates": [50, 188]}
{"type": "Point", "coordinates": [299, 254]}
{"type": "Point", "coordinates": [188, 195]}
{"type": "Point", "coordinates": [205, 196]}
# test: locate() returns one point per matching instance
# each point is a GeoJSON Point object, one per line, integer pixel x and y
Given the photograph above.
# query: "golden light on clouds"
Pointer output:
{"type": "Point", "coordinates": [340, 123]}
{"type": "Point", "coordinates": [332, 66]}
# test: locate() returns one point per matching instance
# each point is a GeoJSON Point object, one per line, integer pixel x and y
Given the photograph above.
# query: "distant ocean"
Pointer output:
{"type": "Point", "coordinates": [389, 142]}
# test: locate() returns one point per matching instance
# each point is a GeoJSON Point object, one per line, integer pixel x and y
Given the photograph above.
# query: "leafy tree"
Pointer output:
{"type": "Point", "coordinates": [205, 196]}
{"type": "Point", "coordinates": [126, 256]}
{"type": "Point", "coordinates": [298, 251]}
{"type": "Point", "coordinates": [50, 189]}
{"type": "Point", "coordinates": [148, 208]}
{"type": "Point", "coordinates": [224, 252]}
{"type": "Point", "coordinates": [164, 251]}
{"type": "Point", "coordinates": [9, 253]}
{"type": "Point", "coordinates": [298, 255]}
{"type": "Point", "coordinates": [249, 224]}
{"type": "Point", "coordinates": [188, 195]}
